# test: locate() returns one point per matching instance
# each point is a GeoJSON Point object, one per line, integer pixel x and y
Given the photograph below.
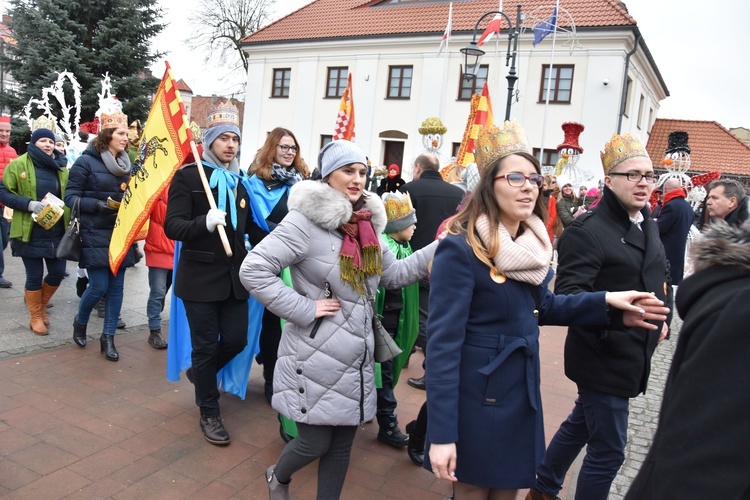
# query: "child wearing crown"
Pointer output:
{"type": "Point", "coordinates": [400, 315]}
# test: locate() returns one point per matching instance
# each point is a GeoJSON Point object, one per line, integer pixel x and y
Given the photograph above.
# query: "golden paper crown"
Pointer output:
{"type": "Point", "coordinates": [397, 206]}
{"type": "Point", "coordinates": [43, 122]}
{"type": "Point", "coordinates": [118, 119]}
{"type": "Point", "coordinates": [494, 143]}
{"type": "Point", "coordinates": [621, 148]}
{"type": "Point", "coordinates": [223, 113]}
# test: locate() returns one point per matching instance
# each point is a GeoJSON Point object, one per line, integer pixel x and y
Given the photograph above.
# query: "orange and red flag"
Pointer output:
{"type": "Point", "coordinates": [344, 128]}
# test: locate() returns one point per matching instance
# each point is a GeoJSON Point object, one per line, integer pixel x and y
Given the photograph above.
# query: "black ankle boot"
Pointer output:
{"type": "Point", "coordinates": [389, 432]}
{"type": "Point", "coordinates": [415, 447]}
{"type": "Point", "coordinates": [155, 339]}
{"type": "Point", "coordinates": [79, 333]}
{"type": "Point", "coordinates": [107, 343]}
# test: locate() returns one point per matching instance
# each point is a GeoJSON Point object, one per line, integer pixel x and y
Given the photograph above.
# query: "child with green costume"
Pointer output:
{"type": "Point", "coordinates": [399, 310]}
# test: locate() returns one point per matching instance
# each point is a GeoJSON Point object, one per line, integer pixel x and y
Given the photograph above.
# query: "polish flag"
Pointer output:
{"type": "Point", "coordinates": [492, 28]}
{"type": "Point", "coordinates": [447, 33]}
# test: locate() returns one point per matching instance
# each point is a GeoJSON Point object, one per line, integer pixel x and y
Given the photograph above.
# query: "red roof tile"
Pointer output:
{"type": "Point", "coordinates": [713, 148]}
{"type": "Point", "coordinates": [183, 87]}
{"type": "Point", "coordinates": [326, 19]}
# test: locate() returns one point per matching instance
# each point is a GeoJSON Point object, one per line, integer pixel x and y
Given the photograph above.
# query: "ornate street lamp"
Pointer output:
{"type": "Point", "coordinates": [473, 54]}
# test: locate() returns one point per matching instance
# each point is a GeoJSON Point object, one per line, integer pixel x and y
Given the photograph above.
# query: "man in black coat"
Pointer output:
{"type": "Point", "coordinates": [674, 220]}
{"type": "Point", "coordinates": [434, 201]}
{"type": "Point", "coordinates": [206, 279]}
{"type": "Point", "coordinates": [614, 247]}
{"type": "Point", "coordinates": [702, 446]}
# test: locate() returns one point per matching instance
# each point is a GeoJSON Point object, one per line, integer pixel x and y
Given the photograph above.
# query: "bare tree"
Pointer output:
{"type": "Point", "coordinates": [220, 25]}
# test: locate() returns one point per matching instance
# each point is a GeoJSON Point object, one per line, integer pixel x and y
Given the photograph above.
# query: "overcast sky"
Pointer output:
{"type": "Point", "coordinates": [701, 49]}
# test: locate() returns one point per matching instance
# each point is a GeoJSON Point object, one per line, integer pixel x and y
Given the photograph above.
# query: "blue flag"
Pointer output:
{"type": "Point", "coordinates": [544, 28]}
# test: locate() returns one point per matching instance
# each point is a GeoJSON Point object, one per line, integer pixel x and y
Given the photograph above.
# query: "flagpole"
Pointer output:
{"type": "Point", "coordinates": [446, 62]}
{"type": "Point", "coordinates": [549, 81]}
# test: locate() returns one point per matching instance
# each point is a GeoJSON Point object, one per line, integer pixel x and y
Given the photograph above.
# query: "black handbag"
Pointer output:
{"type": "Point", "coordinates": [70, 244]}
{"type": "Point", "coordinates": [385, 347]}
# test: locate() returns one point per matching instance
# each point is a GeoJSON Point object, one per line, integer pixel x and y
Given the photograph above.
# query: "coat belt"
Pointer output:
{"type": "Point", "coordinates": [506, 346]}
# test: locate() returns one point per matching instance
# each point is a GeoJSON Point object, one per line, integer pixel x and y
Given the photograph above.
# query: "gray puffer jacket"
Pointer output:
{"type": "Point", "coordinates": [325, 370]}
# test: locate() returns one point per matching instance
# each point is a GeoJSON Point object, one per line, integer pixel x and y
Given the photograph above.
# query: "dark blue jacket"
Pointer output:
{"type": "Point", "coordinates": [91, 181]}
{"type": "Point", "coordinates": [674, 221]}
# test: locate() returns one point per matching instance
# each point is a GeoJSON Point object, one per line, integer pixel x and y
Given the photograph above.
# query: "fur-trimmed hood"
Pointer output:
{"type": "Point", "coordinates": [329, 208]}
{"type": "Point", "coordinates": [723, 245]}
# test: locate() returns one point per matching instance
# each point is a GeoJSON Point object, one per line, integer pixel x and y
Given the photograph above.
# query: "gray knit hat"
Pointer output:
{"type": "Point", "coordinates": [337, 154]}
{"type": "Point", "coordinates": [214, 132]}
{"type": "Point", "coordinates": [399, 210]}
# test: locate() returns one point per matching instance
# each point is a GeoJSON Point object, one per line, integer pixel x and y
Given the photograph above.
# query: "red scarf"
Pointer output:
{"type": "Point", "coordinates": [675, 193]}
{"type": "Point", "coordinates": [360, 255]}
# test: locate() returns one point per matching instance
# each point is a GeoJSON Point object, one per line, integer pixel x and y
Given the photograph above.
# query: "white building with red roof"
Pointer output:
{"type": "Point", "coordinates": [298, 67]}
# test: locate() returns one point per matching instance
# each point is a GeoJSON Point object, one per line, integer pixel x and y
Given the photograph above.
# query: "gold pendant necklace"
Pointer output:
{"type": "Point", "coordinates": [497, 276]}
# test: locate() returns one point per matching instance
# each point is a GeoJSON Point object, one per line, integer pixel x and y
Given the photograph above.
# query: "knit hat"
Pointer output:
{"type": "Point", "coordinates": [41, 133]}
{"type": "Point", "coordinates": [222, 117]}
{"type": "Point", "coordinates": [337, 154]}
{"type": "Point", "coordinates": [59, 138]}
{"type": "Point", "coordinates": [399, 210]}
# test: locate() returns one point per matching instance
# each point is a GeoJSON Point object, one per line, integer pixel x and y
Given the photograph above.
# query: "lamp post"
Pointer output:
{"type": "Point", "coordinates": [473, 54]}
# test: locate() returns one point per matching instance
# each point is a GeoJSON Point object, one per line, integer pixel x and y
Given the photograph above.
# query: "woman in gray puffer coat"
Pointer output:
{"type": "Point", "coordinates": [324, 377]}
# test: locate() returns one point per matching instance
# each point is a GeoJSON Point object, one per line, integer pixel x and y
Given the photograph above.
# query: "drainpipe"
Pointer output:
{"type": "Point", "coordinates": [624, 96]}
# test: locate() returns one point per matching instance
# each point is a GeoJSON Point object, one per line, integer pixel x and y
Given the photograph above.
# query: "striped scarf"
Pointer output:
{"type": "Point", "coordinates": [360, 255]}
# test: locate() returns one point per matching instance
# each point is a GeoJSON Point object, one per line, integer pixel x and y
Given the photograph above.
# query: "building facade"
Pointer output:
{"type": "Point", "coordinates": [602, 75]}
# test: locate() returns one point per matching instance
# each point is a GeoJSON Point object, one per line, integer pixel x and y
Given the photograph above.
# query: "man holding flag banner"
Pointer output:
{"type": "Point", "coordinates": [206, 280]}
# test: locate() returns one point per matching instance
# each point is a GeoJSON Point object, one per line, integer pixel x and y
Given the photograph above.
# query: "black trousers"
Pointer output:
{"type": "Point", "coordinates": [218, 332]}
{"type": "Point", "coordinates": [386, 401]}
{"type": "Point", "coordinates": [270, 337]}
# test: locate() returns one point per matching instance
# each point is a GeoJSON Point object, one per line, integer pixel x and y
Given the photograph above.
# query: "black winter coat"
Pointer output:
{"type": "Point", "coordinates": [91, 181]}
{"type": "Point", "coordinates": [205, 273]}
{"type": "Point", "coordinates": [434, 201]}
{"type": "Point", "coordinates": [603, 250]}
{"type": "Point", "coordinates": [702, 446]}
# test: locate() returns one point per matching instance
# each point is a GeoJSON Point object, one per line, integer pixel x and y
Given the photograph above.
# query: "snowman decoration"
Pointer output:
{"type": "Point", "coordinates": [567, 169]}
{"type": "Point", "coordinates": [677, 160]}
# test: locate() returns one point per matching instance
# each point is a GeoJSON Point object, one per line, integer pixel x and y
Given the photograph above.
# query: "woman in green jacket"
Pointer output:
{"type": "Point", "coordinates": [27, 180]}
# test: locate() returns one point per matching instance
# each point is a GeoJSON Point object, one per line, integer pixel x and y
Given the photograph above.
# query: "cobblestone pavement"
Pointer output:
{"type": "Point", "coordinates": [644, 415]}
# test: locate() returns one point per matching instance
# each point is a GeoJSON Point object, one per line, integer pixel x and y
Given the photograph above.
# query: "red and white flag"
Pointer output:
{"type": "Point", "coordinates": [344, 128]}
{"type": "Point", "coordinates": [447, 33]}
{"type": "Point", "coordinates": [492, 29]}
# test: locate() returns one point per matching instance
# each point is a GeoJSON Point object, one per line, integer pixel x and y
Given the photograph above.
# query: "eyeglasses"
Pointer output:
{"type": "Point", "coordinates": [285, 149]}
{"type": "Point", "coordinates": [517, 179]}
{"type": "Point", "coordinates": [637, 176]}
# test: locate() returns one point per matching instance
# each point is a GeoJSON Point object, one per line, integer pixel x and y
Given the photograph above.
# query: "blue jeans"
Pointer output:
{"type": "Point", "coordinates": [599, 421]}
{"type": "Point", "coordinates": [158, 283]}
{"type": "Point", "coordinates": [4, 238]}
{"type": "Point", "coordinates": [35, 272]}
{"type": "Point", "coordinates": [102, 281]}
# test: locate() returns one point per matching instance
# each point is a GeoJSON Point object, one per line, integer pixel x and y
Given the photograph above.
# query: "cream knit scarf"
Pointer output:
{"type": "Point", "coordinates": [527, 258]}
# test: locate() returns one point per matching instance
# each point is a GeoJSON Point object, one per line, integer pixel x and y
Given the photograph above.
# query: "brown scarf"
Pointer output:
{"type": "Point", "coordinates": [360, 255]}
{"type": "Point", "coordinates": [527, 258]}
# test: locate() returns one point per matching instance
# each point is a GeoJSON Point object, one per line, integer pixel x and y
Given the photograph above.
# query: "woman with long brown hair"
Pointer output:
{"type": "Point", "coordinates": [488, 297]}
{"type": "Point", "coordinates": [278, 166]}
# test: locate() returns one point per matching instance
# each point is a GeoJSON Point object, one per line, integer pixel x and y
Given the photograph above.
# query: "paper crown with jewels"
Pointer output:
{"type": "Point", "coordinates": [43, 122]}
{"type": "Point", "coordinates": [111, 115]}
{"type": "Point", "coordinates": [494, 143]}
{"type": "Point", "coordinates": [621, 148]}
{"type": "Point", "coordinates": [677, 142]}
{"type": "Point", "coordinates": [399, 210]}
{"type": "Point", "coordinates": [223, 113]}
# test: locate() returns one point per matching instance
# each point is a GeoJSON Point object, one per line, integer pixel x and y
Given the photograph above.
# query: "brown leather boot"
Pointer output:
{"type": "Point", "coordinates": [47, 293]}
{"type": "Point", "coordinates": [34, 304]}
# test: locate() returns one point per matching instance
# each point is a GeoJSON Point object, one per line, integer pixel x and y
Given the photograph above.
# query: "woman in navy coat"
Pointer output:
{"type": "Point", "coordinates": [488, 296]}
{"type": "Point", "coordinates": [102, 172]}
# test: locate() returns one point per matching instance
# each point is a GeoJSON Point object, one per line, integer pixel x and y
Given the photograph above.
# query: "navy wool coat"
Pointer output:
{"type": "Point", "coordinates": [90, 181]}
{"type": "Point", "coordinates": [483, 368]}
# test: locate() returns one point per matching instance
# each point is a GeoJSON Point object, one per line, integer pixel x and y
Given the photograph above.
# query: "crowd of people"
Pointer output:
{"type": "Point", "coordinates": [462, 273]}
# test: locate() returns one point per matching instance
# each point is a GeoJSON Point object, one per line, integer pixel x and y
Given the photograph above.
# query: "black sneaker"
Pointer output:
{"type": "Point", "coordinates": [390, 434]}
{"type": "Point", "coordinates": [5, 283]}
{"type": "Point", "coordinates": [214, 431]}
